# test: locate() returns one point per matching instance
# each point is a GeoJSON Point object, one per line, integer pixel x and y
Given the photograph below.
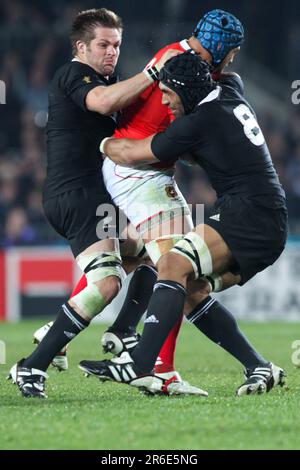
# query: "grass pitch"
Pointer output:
{"type": "Point", "coordinates": [82, 413]}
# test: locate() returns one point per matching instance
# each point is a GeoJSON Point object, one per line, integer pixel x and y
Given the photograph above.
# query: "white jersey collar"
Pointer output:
{"type": "Point", "coordinates": [185, 45]}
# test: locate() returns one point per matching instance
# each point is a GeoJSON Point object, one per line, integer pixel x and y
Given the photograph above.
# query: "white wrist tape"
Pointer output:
{"type": "Point", "coordinates": [102, 144]}
{"type": "Point", "coordinates": [152, 73]}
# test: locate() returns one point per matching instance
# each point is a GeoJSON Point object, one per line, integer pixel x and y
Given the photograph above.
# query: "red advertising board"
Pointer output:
{"type": "Point", "coordinates": [35, 281]}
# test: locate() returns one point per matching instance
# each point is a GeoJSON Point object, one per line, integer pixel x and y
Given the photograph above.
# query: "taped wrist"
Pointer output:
{"type": "Point", "coordinates": [152, 73]}
{"type": "Point", "coordinates": [102, 144]}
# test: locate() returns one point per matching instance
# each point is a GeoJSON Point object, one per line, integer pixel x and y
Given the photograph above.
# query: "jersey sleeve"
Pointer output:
{"type": "Point", "coordinates": [181, 137]}
{"type": "Point", "coordinates": [78, 84]}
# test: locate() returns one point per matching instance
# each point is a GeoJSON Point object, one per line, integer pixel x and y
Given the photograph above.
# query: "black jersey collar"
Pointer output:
{"type": "Point", "coordinates": [109, 81]}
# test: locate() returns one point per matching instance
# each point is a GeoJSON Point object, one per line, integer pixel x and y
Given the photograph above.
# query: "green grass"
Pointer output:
{"type": "Point", "coordinates": [85, 414]}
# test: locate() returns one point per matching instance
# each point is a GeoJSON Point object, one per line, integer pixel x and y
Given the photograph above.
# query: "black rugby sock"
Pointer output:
{"type": "Point", "coordinates": [67, 325]}
{"type": "Point", "coordinates": [220, 326]}
{"type": "Point", "coordinates": [164, 311]}
{"type": "Point", "coordinates": [139, 292]}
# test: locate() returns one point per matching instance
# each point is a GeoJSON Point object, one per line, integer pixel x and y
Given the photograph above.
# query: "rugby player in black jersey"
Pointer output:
{"type": "Point", "coordinates": [219, 47]}
{"type": "Point", "coordinates": [248, 229]}
{"type": "Point", "coordinates": [83, 96]}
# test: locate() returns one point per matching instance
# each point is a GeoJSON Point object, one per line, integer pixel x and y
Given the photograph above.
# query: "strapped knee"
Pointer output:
{"type": "Point", "coordinates": [215, 281]}
{"type": "Point", "coordinates": [193, 248]}
{"type": "Point", "coordinates": [140, 251]}
{"type": "Point", "coordinates": [158, 247]}
{"type": "Point", "coordinates": [96, 267]}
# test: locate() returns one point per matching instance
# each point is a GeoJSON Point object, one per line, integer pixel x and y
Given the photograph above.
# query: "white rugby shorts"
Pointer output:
{"type": "Point", "coordinates": [147, 196]}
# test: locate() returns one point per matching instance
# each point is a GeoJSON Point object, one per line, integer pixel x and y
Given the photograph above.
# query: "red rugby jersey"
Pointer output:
{"type": "Point", "coordinates": [147, 115]}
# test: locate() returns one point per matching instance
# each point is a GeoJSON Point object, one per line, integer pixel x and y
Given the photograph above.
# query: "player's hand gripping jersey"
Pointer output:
{"type": "Point", "coordinates": [143, 193]}
{"type": "Point", "coordinates": [148, 115]}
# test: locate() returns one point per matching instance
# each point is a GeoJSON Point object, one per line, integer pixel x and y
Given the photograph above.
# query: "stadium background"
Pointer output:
{"type": "Point", "coordinates": [36, 271]}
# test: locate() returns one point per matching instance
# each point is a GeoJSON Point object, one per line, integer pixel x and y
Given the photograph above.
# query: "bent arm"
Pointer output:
{"type": "Point", "coordinates": [129, 152]}
{"type": "Point", "coordinates": [107, 100]}
{"type": "Point", "coordinates": [179, 138]}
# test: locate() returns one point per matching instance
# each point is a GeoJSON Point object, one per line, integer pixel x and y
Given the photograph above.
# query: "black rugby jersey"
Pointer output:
{"type": "Point", "coordinates": [73, 132]}
{"type": "Point", "coordinates": [223, 136]}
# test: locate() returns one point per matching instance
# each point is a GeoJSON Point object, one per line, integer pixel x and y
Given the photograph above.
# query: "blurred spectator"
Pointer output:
{"type": "Point", "coordinates": [18, 230]}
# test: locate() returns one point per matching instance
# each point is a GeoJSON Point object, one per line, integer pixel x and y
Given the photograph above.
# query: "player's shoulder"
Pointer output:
{"type": "Point", "coordinates": [76, 68]}
{"type": "Point", "coordinates": [74, 71]}
{"type": "Point", "coordinates": [69, 70]}
{"type": "Point", "coordinates": [73, 66]}
{"type": "Point", "coordinates": [232, 80]}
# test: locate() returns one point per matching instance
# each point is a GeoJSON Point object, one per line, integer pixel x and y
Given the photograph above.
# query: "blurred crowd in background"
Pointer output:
{"type": "Point", "coordinates": [34, 43]}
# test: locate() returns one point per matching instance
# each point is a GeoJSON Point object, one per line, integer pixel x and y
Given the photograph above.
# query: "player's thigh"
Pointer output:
{"type": "Point", "coordinates": [131, 243]}
{"type": "Point", "coordinates": [220, 253]}
{"type": "Point", "coordinates": [201, 252]}
{"type": "Point", "coordinates": [149, 198]}
{"type": "Point", "coordinates": [178, 225]}
{"type": "Point", "coordinates": [228, 280]}
{"type": "Point", "coordinates": [102, 246]}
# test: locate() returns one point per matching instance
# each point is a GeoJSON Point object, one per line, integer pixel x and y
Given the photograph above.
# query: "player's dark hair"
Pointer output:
{"type": "Point", "coordinates": [83, 27]}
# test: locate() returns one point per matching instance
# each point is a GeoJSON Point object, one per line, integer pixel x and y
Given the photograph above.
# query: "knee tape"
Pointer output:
{"type": "Point", "coordinates": [194, 248]}
{"type": "Point", "coordinates": [96, 267]}
{"type": "Point", "coordinates": [90, 300]}
{"type": "Point", "coordinates": [216, 282]}
{"type": "Point", "coordinates": [160, 246]}
{"type": "Point", "coordinates": [140, 251]}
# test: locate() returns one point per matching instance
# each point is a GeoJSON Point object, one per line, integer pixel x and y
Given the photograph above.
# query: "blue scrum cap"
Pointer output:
{"type": "Point", "coordinates": [219, 32]}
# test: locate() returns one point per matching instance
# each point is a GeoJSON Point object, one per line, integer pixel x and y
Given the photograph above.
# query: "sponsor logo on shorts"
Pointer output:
{"type": "Point", "coordinates": [215, 217]}
{"type": "Point", "coordinates": [171, 191]}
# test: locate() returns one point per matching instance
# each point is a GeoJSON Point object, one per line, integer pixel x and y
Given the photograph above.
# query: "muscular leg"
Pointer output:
{"type": "Point", "coordinates": [218, 324]}
{"type": "Point", "coordinates": [165, 307]}
{"type": "Point", "coordinates": [75, 315]}
{"type": "Point", "coordinates": [207, 255]}
{"type": "Point", "coordinates": [141, 285]}
{"type": "Point", "coordinates": [179, 225]}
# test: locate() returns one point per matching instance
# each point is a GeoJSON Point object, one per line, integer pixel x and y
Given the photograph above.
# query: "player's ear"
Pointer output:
{"type": "Point", "coordinates": [81, 47]}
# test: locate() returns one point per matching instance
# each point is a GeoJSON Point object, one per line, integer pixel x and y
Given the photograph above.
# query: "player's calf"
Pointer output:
{"type": "Point", "coordinates": [60, 361]}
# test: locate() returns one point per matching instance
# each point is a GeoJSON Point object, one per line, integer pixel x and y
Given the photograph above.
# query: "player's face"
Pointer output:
{"type": "Point", "coordinates": [103, 51]}
{"type": "Point", "coordinates": [172, 100]}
